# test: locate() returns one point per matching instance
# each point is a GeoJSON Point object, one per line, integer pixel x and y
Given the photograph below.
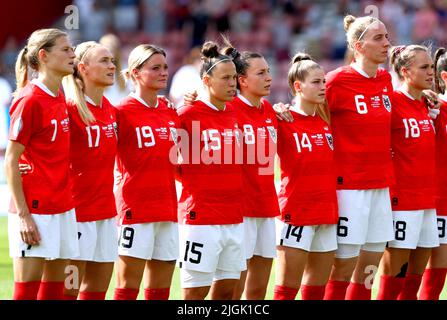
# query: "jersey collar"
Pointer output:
{"type": "Point", "coordinates": [89, 100]}
{"type": "Point", "coordinates": [246, 101]}
{"type": "Point", "coordinates": [296, 109]}
{"type": "Point", "coordinates": [44, 88]}
{"type": "Point", "coordinates": [357, 68]}
{"type": "Point", "coordinates": [135, 96]}
{"type": "Point", "coordinates": [212, 106]}
{"type": "Point", "coordinates": [409, 96]}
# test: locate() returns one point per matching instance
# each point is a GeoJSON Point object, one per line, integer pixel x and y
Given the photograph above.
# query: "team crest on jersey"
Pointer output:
{"type": "Point", "coordinates": [174, 135]}
{"type": "Point", "coordinates": [330, 140]}
{"type": "Point", "coordinates": [386, 102]}
{"type": "Point", "coordinates": [17, 127]}
{"type": "Point", "coordinates": [272, 133]}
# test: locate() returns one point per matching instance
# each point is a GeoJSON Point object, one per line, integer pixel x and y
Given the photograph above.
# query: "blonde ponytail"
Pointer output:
{"type": "Point", "coordinates": [29, 56]}
{"type": "Point", "coordinates": [74, 85]}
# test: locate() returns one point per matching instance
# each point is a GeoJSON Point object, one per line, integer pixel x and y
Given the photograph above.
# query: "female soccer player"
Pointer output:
{"type": "Point", "coordinates": [258, 124]}
{"type": "Point", "coordinates": [358, 99]}
{"type": "Point", "coordinates": [306, 230]}
{"type": "Point", "coordinates": [211, 230]}
{"type": "Point", "coordinates": [92, 156]}
{"type": "Point", "coordinates": [413, 195]}
{"type": "Point", "coordinates": [41, 224]}
{"type": "Point", "coordinates": [146, 196]}
{"type": "Point", "coordinates": [434, 276]}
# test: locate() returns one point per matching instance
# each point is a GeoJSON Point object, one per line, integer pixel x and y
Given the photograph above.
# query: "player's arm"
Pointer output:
{"type": "Point", "coordinates": [28, 228]}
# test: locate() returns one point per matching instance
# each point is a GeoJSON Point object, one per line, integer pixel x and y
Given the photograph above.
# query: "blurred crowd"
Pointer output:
{"type": "Point", "coordinates": [275, 28]}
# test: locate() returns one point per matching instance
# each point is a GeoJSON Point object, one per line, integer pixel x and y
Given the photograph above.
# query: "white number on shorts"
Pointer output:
{"type": "Point", "coordinates": [89, 134]}
{"type": "Point", "coordinates": [411, 128]}
{"type": "Point", "coordinates": [342, 231]}
{"type": "Point", "coordinates": [360, 105]}
{"type": "Point", "coordinates": [214, 136]}
{"type": "Point", "coordinates": [127, 235]}
{"type": "Point", "coordinates": [292, 230]}
{"type": "Point", "coordinates": [54, 123]}
{"type": "Point", "coordinates": [303, 143]}
{"type": "Point", "coordinates": [401, 226]}
{"type": "Point", "coordinates": [441, 227]}
{"type": "Point", "coordinates": [145, 133]}
{"type": "Point", "coordinates": [192, 246]}
{"type": "Point", "coordinates": [249, 134]}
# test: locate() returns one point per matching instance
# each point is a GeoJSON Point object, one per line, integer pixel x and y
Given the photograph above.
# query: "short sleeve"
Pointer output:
{"type": "Point", "coordinates": [24, 121]}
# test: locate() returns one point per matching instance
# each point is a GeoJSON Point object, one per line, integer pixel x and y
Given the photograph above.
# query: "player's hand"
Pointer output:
{"type": "Point", "coordinates": [282, 112]}
{"type": "Point", "coordinates": [431, 99]}
{"type": "Point", "coordinates": [24, 168]}
{"type": "Point", "coordinates": [168, 103]}
{"type": "Point", "coordinates": [189, 98]}
{"type": "Point", "coordinates": [28, 229]}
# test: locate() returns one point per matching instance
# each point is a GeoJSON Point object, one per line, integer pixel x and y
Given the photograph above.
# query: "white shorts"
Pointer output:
{"type": "Point", "coordinates": [207, 248]}
{"type": "Point", "coordinates": [259, 237]}
{"type": "Point", "coordinates": [415, 228]}
{"type": "Point", "coordinates": [195, 279]}
{"type": "Point", "coordinates": [58, 233]}
{"type": "Point", "coordinates": [364, 216]}
{"type": "Point", "coordinates": [98, 241]}
{"type": "Point", "coordinates": [442, 221]}
{"type": "Point", "coordinates": [155, 240]}
{"type": "Point", "coordinates": [321, 238]}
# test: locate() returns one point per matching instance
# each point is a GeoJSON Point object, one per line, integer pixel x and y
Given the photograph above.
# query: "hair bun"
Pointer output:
{"type": "Point", "coordinates": [348, 21]}
{"type": "Point", "coordinates": [439, 53]}
{"type": "Point", "coordinates": [210, 50]}
{"type": "Point", "coordinates": [300, 56]}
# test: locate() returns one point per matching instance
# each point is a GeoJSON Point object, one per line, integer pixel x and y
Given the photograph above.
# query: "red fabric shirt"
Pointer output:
{"type": "Point", "coordinates": [413, 146]}
{"type": "Point", "coordinates": [146, 191]}
{"type": "Point", "coordinates": [211, 177]}
{"type": "Point", "coordinates": [40, 122]}
{"type": "Point", "coordinates": [259, 135]}
{"type": "Point", "coordinates": [360, 119]}
{"type": "Point", "coordinates": [441, 160]}
{"type": "Point", "coordinates": [308, 189]}
{"type": "Point", "coordinates": [92, 156]}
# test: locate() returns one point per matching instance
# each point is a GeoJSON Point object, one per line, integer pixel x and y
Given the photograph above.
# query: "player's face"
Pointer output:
{"type": "Point", "coordinates": [99, 67]}
{"type": "Point", "coordinates": [222, 82]}
{"type": "Point", "coordinates": [154, 73]}
{"type": "Point", "coordinates": [375, 43]}
{"type": "Point", "coordinates": [313, 88]}
{"type": "Point", "coordinates": [257, 80]}
{"type": "Point", "coordinates": [421, 72]}
{"type": "Point", "coordinates": [60, 58]}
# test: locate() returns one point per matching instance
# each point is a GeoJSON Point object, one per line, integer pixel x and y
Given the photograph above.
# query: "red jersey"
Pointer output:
{"type": "Point", "coordinates": [146, 191]}
{"type": "Point", "coordinates": [40, 122]}
{"type": "Point", "coordinates": [360, 119]}
{"type": "Point", "coordinates": [308, 188]}
{"type": "Point", "coordinates": [441, 159]}
{"type": "Point", "coordinates": [413, 146]}
{"type": "Point", "coordinates": [211, 178]}
{"type": "Point", "coordinates": [259, 131]}
{"type": "Point", "coordinates": [92, 156]}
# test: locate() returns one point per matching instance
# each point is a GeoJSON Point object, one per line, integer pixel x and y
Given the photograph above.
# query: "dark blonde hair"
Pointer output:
{"type": "Point", "coordinates": [29, 56]}
{"type": "Point", "coordinates": [403, 57]}
{"type": "Point", "coordinates": [356, 28]}
{"type": "Point", "coordinates": [440, 59]}
{"type": "Point", "coordinates": [138, 57]}
{"type": "Point", "coordinates": [301, 65]}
